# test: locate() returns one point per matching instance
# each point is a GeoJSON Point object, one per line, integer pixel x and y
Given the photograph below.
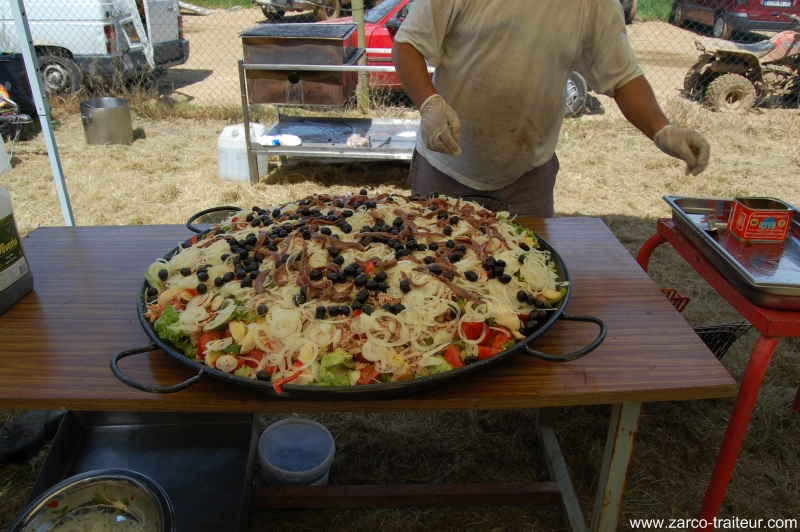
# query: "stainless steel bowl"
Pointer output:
{"type": "Point", "coordinates": [124, 496]}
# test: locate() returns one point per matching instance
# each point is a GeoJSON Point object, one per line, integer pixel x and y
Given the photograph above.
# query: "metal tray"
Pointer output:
{"type": "Point", "coordinates": [768, 274]}
{"type": "Point", "coordinates": [204, 462]}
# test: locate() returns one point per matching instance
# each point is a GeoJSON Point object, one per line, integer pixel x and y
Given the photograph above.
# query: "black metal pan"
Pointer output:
{"type": "Point", "coordinates": [370, 391]}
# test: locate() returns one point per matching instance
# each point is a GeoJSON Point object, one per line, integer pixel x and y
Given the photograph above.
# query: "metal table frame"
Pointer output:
{"type": "Point", "coordinates": [771, 324]}
{"type": "Point", "coordinates": [334, 151]}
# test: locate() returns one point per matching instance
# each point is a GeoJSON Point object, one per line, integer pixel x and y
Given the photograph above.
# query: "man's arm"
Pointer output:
{"type": "Point", "coordinates": [638, 104]}
{"type": "Point", "coordinates": [413, 72]}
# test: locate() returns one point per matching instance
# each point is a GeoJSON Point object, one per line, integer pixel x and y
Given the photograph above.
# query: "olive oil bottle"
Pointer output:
{"type": "Point", "coordinates": [15, 277]}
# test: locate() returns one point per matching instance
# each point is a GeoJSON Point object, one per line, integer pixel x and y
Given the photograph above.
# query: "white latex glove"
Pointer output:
{"type": "Point", "coordinates": [440, 127]}
{"type": "Point", "coordinates": [685, 144]}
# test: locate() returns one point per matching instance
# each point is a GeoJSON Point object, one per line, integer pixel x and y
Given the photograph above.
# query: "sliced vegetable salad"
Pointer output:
{"type": "Point", "coordinates": [352, 290]}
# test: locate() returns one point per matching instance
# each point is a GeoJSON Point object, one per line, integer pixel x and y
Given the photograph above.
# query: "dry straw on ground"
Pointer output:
{"type": "Point", "coordinates": [608, 170]}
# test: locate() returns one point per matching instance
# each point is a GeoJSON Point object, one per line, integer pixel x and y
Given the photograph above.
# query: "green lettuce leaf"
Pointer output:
{"type": "Point", "coordinates": [164, 330]}
{"type": "Point", "coordinates": [332, 370]}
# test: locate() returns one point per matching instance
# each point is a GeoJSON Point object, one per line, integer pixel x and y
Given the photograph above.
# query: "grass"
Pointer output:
{"type": "Point", "coordinates": [224, 4]}
{"type": "Point", "coordinates": [655, 9]}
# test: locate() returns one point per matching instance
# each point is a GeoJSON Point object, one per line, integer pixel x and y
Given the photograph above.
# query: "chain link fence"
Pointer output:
{"type": "Point", "coordinates": [189, 52]}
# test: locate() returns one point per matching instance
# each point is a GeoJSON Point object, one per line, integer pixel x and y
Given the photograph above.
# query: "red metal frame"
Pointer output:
{"type": "Point", "coordinates": [772, 324]}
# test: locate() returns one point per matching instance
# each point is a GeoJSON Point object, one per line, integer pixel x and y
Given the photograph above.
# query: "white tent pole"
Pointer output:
{"type": "Point", "coordinates": [42, 107]}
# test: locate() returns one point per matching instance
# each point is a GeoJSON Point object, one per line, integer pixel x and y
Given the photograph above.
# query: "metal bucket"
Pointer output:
{"type": "Point", "coordinates": [107, 121]}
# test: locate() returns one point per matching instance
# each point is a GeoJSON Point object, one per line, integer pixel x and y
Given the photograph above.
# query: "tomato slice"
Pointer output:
{"type": "Point", "coordinates": [500, 337]}
{"type": "Point", "coordinates": [486, 352]}
{"type": "Point", "coordinates": [193, 240]}
{"type": "Point", "coordinates": [356, 312]}
{"type": "Point", "coordinates": [369, 374]}
{"type": "Point", "coordinates": [368, 267]}
{"type": "Point", "coordinates": [453, 356]}
{"type": "Point", "coordinates": [472, 329]}
{"type": "Point", "coordinates": [360, 358]}
{"type": "Point", "coordinates": [207, 336]}
{"type": "Point", "coordinates": [257, 354]}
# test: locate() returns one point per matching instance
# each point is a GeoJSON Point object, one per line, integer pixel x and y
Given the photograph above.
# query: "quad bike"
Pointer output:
{"type": "Point", "coordinates": [733, 77]}
{"type": "Point", "coordinates": [11, 119]}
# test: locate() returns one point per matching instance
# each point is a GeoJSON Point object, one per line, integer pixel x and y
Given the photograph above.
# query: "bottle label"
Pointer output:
{"type": "Point", "coordinates": [12, 262]}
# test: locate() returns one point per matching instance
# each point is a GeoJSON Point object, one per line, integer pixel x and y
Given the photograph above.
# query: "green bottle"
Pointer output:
{"type": "Point", "coordinates": [15, 276]}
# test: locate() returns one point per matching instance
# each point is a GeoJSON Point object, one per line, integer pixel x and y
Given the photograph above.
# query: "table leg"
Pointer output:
{"type": "Point", "coordinates": [643, 258]}
{"type": "Point", "coordinates": [619, 449]}
{"type": "Point", "coordinates": [737, 427]}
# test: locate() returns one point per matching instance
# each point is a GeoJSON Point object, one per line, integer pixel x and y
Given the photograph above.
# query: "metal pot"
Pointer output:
{"type": "Point", "coordinates": [107, 121]}
{"type": "Point", "coordinates": [371, 391]}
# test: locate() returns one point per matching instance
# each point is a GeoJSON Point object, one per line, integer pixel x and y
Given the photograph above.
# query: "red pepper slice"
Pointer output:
{"type": "Point", "coordinates": [486, 352]}
{"type": "Point", "coordinates": [368, 267]}
{"type": "Point", "coordinates": [500, 337]}
{"type": "Point", "coordinates": [472, 329]}
{"type": "Point", "coordinates": [193, 240]}
{"type": "Point", "coordinates": [453, 356]}
{"type": "Point", "coordinates": [276, 385]}
{"type": "Point", "coordinates": [356, 312]}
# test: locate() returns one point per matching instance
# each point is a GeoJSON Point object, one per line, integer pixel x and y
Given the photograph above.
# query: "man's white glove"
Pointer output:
{"type": "Point", "coordinates": [440, 127]}
{"type": "Point", "coordinates": [685, 144]}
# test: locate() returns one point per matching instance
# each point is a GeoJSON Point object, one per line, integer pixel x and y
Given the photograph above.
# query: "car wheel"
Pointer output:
{"type": "Point", "coordinates": [327, 10]}
{"type": "Point", "coordinates": [731, 93]}
{"type": "Point", "coordinates": [60, 73]}
{"type": "Point", "coordinates": [697, 80]}
{"type": "Point", "coordinates": [630, 13]}
{"type": "Point", "coordinates": [722, 30]}
{"type": "Point", "coordinates": [271, 13]}
{"type": "Point", "coordinates": [677, 16]}
{"type": "Point", "coordinates": [576, 96]}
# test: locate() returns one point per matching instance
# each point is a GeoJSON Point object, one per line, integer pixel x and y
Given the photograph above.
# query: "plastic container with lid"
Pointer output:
{"type": "Point", "coordinates": [296, 452]}
{"type": "Point", "coordinates": [232, 153]}
{"type": "Point", "coordinates": [15, 277]}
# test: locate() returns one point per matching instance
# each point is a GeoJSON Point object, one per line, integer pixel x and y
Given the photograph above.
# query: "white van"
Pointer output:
{"type": "Point", "coordinates": [106, 39]}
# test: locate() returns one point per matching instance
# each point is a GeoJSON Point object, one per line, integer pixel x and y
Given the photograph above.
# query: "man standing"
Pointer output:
{"type": "Point", "coordinates": [492, 113]}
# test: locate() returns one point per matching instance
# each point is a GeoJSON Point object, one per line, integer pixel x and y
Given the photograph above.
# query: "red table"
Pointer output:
{"type": "Point", "coordinates": [771, 324]}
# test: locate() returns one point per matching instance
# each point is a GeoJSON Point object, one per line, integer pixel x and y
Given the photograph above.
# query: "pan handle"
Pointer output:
{"type": "Point", "coordinates": [148, 387]}
{"type": "Point", "coordinates": [203, 213]}
{"type": "Point", "coordinates": [580, 352]}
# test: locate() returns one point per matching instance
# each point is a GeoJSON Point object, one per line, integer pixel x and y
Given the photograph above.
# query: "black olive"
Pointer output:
{"type": "Point", "coordinates": [338, 260]}
{"type": "Point", "coordinates": [442, 216]}
{"type": "Point", "coordinates": [397, 308]}
{"type": "Point", "coordinates": [361, 279]}
{"type": "Point", "coordinates": [243, 254]}
{"type": "Point", "coordinates": [497, 271]}
{"type": "Point", "coordinates": [262, 309]}
{"type": "Point", "coordinates": [247, 283]}
{"type": "Point", "coordinates": [227, 277]}
{"type": "Point", "coordinates": [252, 267]}
{"type": "Point", "coordinates": [347, 213]}
{"type": "Point", "coordinates": [186, 272]}
{"type": "Point", "coordinates": [363, 192]}
{"type": "Point", "coordinates": [380, 276]}
{"type": "Point", "coordinates": [405, 287]}
{"type": "Point", "coordinates": [524, 246]}
{"type": "Point", "coordinates": [304, 291]}
{"type": "Point", "coordinates": [383, 287]}
{"type": "Point", "coordinates": [391, 242]}
{"type": "Point", "coordinates": [234, 248]}
{"type": "Point", "coordinates": [362, 296]}
{"type": "Point", "coordinates": [153, 299]}
{"type": "Point", "coordinates": [522, 296]}
{"type": "Point", "coordinates": [489, 263]}
{"type": "Point", "coordinates": [249, 217]}
{"type": "Point", "coordinates": [254, 274]}
{"type": "Point", "coordinates": [305, 211]}
{"type": "Point", "coordinates": [411, 245]}
{"type": "Point", "coordinates": [450, 244]}
{"type": "Point", "coordinates": [397, 246]}
{"type": "Point", "coordinates": [357, 205]}
{"type": "Point", "coordinates": [435, 269]}
{"type": "Point", "coordinates": [152, 292]}
{"type": "Point", "coordinates": [471, 276]}
{"type": "Point", "coordinates": [283, 233]}
{"type": "Point", "coordinates": [521, 258]}
{"type": "Point", "coordinates": [428, 260]}
{"type": "Point", "coordinates": [538, 303]}
{"type": "Point", "coordinates": [373, 204]}
{"type": "Point", "coordinates": [163, 274]}
{"type": "Point", "coordinates": [298, 299]}
{"type": "Point", "coordinates": [500, 263]}
{"type": "Point", "coordinates": [397, 221]}
{"type": "Point", "coordinates": [470, 359]}
{"type": "Point", "coordinates": [326, 231]}
{"type": "Point", "coordinates": [320, 312]}
{"type": "Point", "coordinates": [224, 257]}
{"type": "Point", "coordinates": [347, 228]}
{"type": "Point", "coordinates": [333, 311]}
{"type": "Point", "coordinates": [366, 241]}
{"type": "Point", "coordinates": [264, 375]}
{"type": "Point", "coordinates": [306, 235]}
{"type": "Point", "coordinates": [272, 246]}
{"type": "Point", "coordinates": [344, 310]}
{"type": "Point", "coordinates": [454, 220]}
{"type": "Point", "coordinates": [256, 222]}
{"type": "Point", "coordinates": [285, 257]}
{"type": "Point", "coordinates": [400, 253]}
{"type": "Point", "coordinates": [276, 213]}
{"type": "Point", "coordinates": [371, 285]}
{"type": "Point", "coordinates": [355, 305]}
{"type": "Point", "coordinates": [241, 273]}
{"type": "Point", "coordinates": [505, 278]}
{"type": "Point", "coordinates": [278, 264]}
{"type": "Point", "coordinates": [448, 231]}
{"type": "Point", "coordinates": [387, 307]}
{"type": "Point", "coordinates": [434, 194]}
{"type": "Point", "coordinates": [455, 257]}
{"type": "Point", "coordinates": [315, 275]}
{"type": "Point", "coordinates": [531, 326]}
{"type": "Point", "coordinates": [448, 275]}
{"type": "Point", "coordinates": [333, 277]}
{"type": "Point", "coordinates": [259, 257]}
{"type": "Point", "coordinates": [219, 232]}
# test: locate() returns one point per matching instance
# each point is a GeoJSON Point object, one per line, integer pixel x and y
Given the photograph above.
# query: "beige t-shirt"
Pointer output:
{"type": "Point", "coordinates": [503, 66]}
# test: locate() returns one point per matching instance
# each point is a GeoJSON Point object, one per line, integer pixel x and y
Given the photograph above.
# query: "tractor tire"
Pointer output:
{"type": "Point", "coordinates": [269, 14]}
{"type": "Point", "coordinates": [576, 96]}
{"type": "Point", "coordinates": [677, 16]}
{"type": "Point", "coordinates": [327, 10]}
{"type": "Point", "coordinates": [630, 14]}
{"type": "Point", "coordinates": [697, 80]}
{"type": "Point", "coordinates": [61, 74]}
{"type": "Point", "coordinates": [722, 30]}
{"type": "Point", "coordinates": [731, 93]}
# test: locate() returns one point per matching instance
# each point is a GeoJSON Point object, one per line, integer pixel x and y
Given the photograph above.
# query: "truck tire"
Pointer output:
{"type": "Point", "coordinates": [271, 14]}
{"type": "Point", "coordinates": [630, 13]}
{"type": "Point", "coordinates": [677, 15]}
{"type": "Point", "coordinates": [576, 96]}
{"type": "Point", "coordinates": [327, 10]}
{"type": "Point", "coordinates": [731, 93]}
{"type": "Point", "coordinates": [697, 80]}
{"type": "Point", "coordinates": [60, 73]}
{"type": "Point", "coordinates": [722, 30]}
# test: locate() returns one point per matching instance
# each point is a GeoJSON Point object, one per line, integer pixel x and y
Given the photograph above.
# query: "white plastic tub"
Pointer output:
{"type": "Point", "coordinates": [296, 452]}
{"type": "Point", "coordinates": [232, 153]}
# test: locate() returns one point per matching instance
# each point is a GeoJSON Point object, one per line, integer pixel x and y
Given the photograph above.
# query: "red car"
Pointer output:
{"type": "Point", "coordinates": [727, 16]}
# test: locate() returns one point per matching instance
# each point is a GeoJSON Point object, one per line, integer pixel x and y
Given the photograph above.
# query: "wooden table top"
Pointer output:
{"type": "Point", "coordinates": [56, 343]}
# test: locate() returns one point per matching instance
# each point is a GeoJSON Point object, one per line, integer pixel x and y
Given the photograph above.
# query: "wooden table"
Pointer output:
{"type": "Point", "coordinates": [57, 343]}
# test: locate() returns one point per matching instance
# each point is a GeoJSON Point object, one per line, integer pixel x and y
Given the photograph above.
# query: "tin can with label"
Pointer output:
{"type": "Point", "coordinates": [16, 279]}
{"type": "Point", "coordinates": [759, 219]}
